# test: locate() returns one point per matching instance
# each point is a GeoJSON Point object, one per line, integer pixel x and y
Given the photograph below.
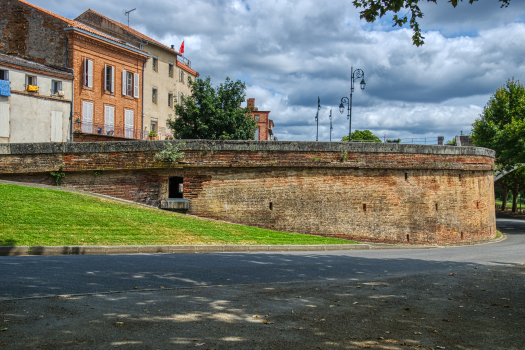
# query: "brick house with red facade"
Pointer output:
{"type": "Point", "coordinates": [264, 132]}
{"type": "Point", "coordinates": [107, 93]}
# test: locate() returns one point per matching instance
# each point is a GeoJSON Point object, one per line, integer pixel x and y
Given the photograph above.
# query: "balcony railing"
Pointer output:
{"type": "Point", "coordinates": [107, 130]}
{"type": "Point", "coordinates": [184, 60]}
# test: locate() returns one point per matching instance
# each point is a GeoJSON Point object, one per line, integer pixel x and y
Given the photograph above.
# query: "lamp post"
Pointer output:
{"type": "Point", "coordinates": [317, 118]}
{"type": "Point", "coordinates": [331, 126]}
{"type": "Point", "coordinates": [356, 75]}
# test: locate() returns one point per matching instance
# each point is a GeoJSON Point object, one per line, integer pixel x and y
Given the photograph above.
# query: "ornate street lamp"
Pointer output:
{"type": "Point", "coordinates": [356, 75]}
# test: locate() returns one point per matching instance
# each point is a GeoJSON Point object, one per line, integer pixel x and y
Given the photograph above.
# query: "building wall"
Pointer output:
{"type": "Point", "coordinates": [262, 123]}
{"type": "Point", "coordinates": [32, 115]}
{"type": "Point", "coordinates": [32, 34]}
{"type": "Point", "coordinates": [376, 192]}
{"type": "Point", "coordinates": [101, 53]}
{"type": "Point", "coordinates": [160, 112]}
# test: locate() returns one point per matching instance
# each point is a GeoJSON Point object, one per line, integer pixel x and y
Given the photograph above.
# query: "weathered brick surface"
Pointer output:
{"type": "Point", "coordinates": [375, 194]}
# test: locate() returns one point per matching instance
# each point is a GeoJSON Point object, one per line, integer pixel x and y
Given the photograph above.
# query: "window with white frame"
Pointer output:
{"type": "Point", "coordinates": [109, 78]}
{"type": "Point", "coordinates": [170, 70]}
{"type": "Point", "coordinates": [128, 123]}
{"type": "Point", "coordinates": [130, 84]}
{"type": "Point", "coordinates": [88, 73]}
{"type": "Point", "coordinates": [189, 80]}
{"type": "Point", "coordinates": [109, 120]}
{"type": "Point", "coordinates": [181, 76]}
{"type": "Point", "coordinates": [56, 86]}
{"type": "Point", "coordinates": [31, 80]}
{"type": "Point", "coordinates": [170, 99]}
{"type": "Point", "coordinates": [4, 74]}
{"type": "Point", "coordinates": [154, 96]}
{"type": "Point", "coordinates": [87, 117]}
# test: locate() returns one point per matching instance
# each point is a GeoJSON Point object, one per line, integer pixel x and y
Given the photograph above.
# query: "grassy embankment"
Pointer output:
{"type": "Point", "coordinates": [40, 217]}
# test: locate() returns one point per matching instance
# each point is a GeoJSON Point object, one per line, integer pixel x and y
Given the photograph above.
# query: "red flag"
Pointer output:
{"type": "Point", "coordinates": [181, 50]}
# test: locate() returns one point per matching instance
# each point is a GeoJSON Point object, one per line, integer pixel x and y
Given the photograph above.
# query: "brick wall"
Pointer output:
{"type": "Point", "coordinates": [381, 193]}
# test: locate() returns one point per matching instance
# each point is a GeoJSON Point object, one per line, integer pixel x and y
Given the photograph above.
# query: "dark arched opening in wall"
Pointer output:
{"type": "Point", "coordinates": [176, 189]}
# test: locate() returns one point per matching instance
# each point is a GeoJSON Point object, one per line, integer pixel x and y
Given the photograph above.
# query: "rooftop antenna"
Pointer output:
{"type": "Point", "coordinates": [126, 13]}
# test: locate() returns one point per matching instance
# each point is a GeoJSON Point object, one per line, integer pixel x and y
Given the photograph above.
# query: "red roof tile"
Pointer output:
{"type": "Point", "coordinates": [187, 69]}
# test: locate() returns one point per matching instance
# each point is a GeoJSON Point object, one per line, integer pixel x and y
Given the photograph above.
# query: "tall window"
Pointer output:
{"type": "Point", "coordinates": [128, 123]}
{"type": "Point", "coordinates": [170, 99]}
{"type": "Point", "coordinates": [88, 73]}
{"type": "Point", "coordinates": [130, 84]}
{"type": "Point", "coordinates": [109, 120]}
{"type": "Point", "coordinates": [109, 78]}
{"type": "Point", "coordinates": [31, 83]}
{"type": "Point", "coordinates": [155, 64]}
{"type": "Point", "coordinates": [170, 70]}
{"type": "Point", "coordinates": [181, 76]}
{"type": "Point", "coordinates": [87, 117]}
{"type": "Point", "coordinates": [154, 95]}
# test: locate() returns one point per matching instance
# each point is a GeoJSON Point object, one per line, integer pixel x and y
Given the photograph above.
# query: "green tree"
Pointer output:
{"type": "Point", "coordinates": [214, 113]}
{"type": "Point", "coordinates": [372, 9]}
{"type": "Point", "coordinates": [501, 126]}
{"type": "Point", "coordinates": [513, 182]}
{"type": "Point", "coordinates": [365, 135]}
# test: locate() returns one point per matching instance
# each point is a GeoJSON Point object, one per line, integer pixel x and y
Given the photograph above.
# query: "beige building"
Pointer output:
{"type": "Point", "coordinates": [166, 74]}
{"type": "Point", "coordinates": [35, 102]}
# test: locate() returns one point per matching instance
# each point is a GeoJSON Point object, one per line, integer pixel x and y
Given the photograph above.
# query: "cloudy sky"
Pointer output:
{"type": "Point", "coordinates": [289, 52]}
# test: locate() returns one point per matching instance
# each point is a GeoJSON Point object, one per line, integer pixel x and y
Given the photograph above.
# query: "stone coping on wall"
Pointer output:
{"type": "Point", "coordinates": [228, 145]}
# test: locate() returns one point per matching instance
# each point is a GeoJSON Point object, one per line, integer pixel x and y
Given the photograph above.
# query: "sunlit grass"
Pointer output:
{"type": "Point", "coordinates": [34, 216]}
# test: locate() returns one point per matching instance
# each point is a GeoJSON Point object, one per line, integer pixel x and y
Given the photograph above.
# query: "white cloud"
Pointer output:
{"type": "Point", "coordinates": [289, 52]}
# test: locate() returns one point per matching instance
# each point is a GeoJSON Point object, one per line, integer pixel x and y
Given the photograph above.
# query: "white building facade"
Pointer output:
{"type": "Point", "coordinates": [35, 102]}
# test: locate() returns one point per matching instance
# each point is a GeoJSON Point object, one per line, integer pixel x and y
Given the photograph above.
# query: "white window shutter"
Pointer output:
{"type": "Point", "coordinates": [87, 117]}
{"type": "Point", "coordinates": [4, 120]}
{"type": "Point", "coordinates": [6, 75]}
{"type": "Point", "coordinates": [112, 79]}
{"type": "Point", "coordinates": [105, 77]}
{"type": "Point", "coordinates": [124, 74]}
{"type": "Point", "coordinates": [34, 81]}
{"type": "Point", "coordinates": [84, 69]}
{"type": "Point", "coordinates": [136, 87]}
{"type": "Point", "coordinates": [90, 73]}
{"type": "Point", "coordinates": [56, 126]}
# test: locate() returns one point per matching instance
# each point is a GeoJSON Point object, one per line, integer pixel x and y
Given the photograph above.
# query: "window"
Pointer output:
{"type": "Point", "coordinates": [128, 123]}
{"type": "Point", "coordinates": [109, 120]}
{"type": "Point", "coordinates": [130, 84]}
{"type": "Point", "coordinates": [88, 73]}
{"type": "Point", "coordinates": [154, 126]}
{"type": "Point", "coordinates": [109, 78]}
{"type": "Point", "coordinates": [31, 83]}
{"type": "Point", "coordinates": [154, 95]}
{"type": "Point", "coordinates": [56, 86]}
{"type": "Point", "coordinates": [87, 117]}
{"type": "Point", "coordinates": [170, 70]}
{"type": "Point", "coordinates": [181, 76]}
{"type": "Point", "coordinates": [256, 136]}
{"type": "Point", "coordinates": [180, 98]}
{"type": "Point", "coordinates": [170, 99]}
{"type": "Point", "coordinates": [189, 80]}
{"type": "Point", "coordinates": [155, 64]}
{"type": "Point", "coordinates": [4, 74]}
{"type": "Point", "coordinates": [256, 118]}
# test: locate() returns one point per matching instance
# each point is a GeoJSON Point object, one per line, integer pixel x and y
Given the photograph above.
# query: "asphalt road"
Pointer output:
{"type": "Point", "coordinates": [38, 276]}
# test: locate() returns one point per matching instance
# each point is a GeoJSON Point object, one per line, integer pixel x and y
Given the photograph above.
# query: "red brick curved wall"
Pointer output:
{"type": "Point", "coordinates": [376, 193]}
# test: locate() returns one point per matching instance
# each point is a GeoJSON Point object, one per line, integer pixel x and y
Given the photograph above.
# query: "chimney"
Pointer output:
{"type": "Point", "coordinates": [251, 103]}
{"type": "Point", "coordinates": [173, 47]}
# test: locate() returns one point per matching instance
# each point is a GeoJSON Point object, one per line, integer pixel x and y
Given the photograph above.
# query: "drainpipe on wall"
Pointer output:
{"type": "Point", "coordinates": [72, 104]}
{"type": "Point", "coordinates": [142, 111]}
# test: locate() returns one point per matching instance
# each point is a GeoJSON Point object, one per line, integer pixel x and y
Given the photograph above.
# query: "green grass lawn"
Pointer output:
{"type": "Point", "coordinates": [34, 216]}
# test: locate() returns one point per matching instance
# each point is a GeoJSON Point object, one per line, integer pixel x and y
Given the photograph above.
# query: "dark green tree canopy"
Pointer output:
{"type": "Point", "coordinates": [365, 135]}
{"type": "Point", "coordinates": [373, 9]}
{"type": "Point", "coordinates": [214, 113]}
{"type": "Point", "coordinates": [501, 126]}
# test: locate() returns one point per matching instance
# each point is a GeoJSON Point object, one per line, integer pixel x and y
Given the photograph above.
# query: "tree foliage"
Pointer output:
{"type": "Point", "coordinates": [365, 135]}
{"type": "Point", "coordinates": [372, 9]}
{"type": "Point", "coordinates": [214, 113]}
{"type": "Point", "coordinates": [501, 126]}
